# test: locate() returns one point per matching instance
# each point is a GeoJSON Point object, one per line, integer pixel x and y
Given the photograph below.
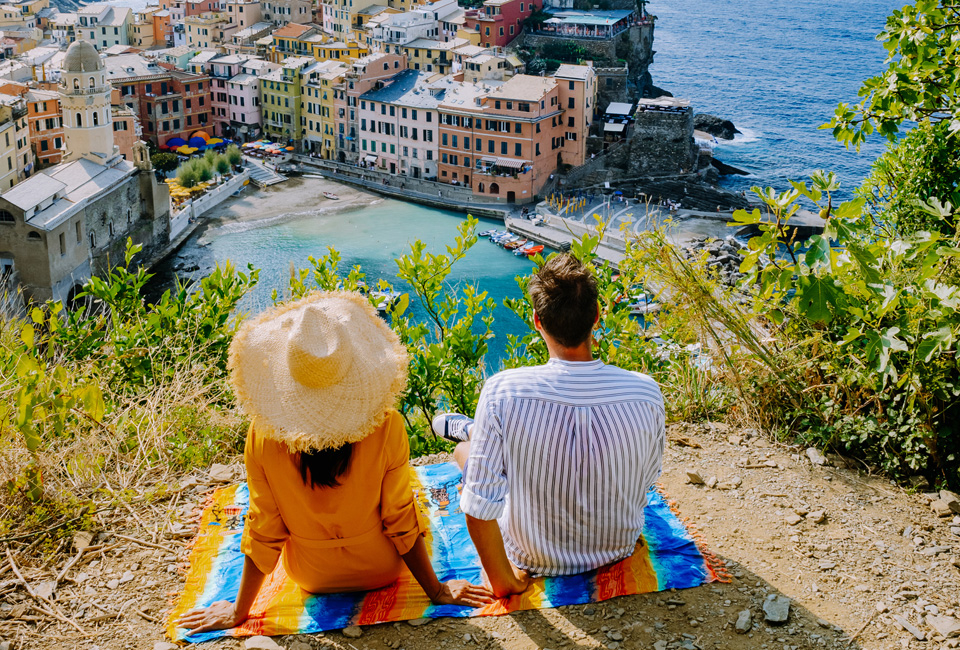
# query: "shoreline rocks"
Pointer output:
{"type": "Point", "coordinates": [715, 126]}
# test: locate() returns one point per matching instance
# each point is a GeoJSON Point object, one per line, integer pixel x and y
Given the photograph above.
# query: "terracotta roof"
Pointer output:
{"type": "Point", "coordinates": [291, 30]}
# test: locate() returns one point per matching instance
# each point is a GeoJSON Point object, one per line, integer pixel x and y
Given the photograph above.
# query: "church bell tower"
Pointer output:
{"type": "Point", "coordinates": [85, 101]}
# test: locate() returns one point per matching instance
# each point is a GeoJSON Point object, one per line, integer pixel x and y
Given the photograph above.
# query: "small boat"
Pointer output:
{"type": "Point", "coordinates": [642, 304]}
{"type": "Point", "coordinates": [513, 245]}
{"type": "Point", "coordinates": [506, 240]}
{"type": "Point", "coordinates": [522, 250]}
{"type": "Point", "coordinates": [385, 299]}
{"type": "Point", "coordinates": [533, 250]}
{"type": "Point", "coordinates": [317, 176]}
{"type": "Point", "coordinates": [497, 236]}
{"type": "Point", "coordinates": [331, 196]}
{"type": "Point", "coordinates": [486, 233]}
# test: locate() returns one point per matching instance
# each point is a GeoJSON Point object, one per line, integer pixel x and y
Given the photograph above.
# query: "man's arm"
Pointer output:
{"type": "Point", "coordinates": [505, 578]}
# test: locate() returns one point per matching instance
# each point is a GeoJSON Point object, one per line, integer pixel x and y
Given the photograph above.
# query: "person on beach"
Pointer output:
{"type": "Point", "coordinates": [559, 460]}
{"type": "Point", "coordinates": [326, 457]}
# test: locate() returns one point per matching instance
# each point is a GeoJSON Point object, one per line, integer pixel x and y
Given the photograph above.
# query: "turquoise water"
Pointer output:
{"type": "Point", "coordinates": [372, 237]}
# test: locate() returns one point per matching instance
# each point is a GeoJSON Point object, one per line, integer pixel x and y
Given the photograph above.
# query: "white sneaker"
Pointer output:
{"type": "Point", "coordinates": [452, 426]}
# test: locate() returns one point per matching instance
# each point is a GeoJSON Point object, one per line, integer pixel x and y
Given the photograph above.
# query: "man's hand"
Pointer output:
{"type": "Point", "coordinates": [519, 583]}
{"type": "Point", "coordinates": [461, 592]}
{"type": "Point", "coordinates": [220, 615]}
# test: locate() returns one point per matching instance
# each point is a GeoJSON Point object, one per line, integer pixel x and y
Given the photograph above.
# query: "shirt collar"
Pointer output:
{"type": "Point", "coordinates": [576, 365]}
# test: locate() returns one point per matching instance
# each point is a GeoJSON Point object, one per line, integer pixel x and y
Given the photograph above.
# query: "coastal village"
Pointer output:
{"type": "Point", "coordinates": [489, 107]}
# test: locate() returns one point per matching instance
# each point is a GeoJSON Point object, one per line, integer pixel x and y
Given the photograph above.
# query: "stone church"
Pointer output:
{"type": "Point", "coordinates": [72, 220]}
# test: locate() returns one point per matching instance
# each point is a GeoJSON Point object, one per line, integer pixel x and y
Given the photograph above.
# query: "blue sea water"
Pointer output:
{"type": "Point", "coordinates": [777, 69]}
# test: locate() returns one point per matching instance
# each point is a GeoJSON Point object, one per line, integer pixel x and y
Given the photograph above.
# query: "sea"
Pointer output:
{"type": "Point", "coordinates": [776, 68]}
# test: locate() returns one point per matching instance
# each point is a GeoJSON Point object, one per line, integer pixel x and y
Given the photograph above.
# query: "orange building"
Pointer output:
{"type": "Point", "coordinates": [46, 126]}
{"type": "Point", "coordinates": [507, 140]}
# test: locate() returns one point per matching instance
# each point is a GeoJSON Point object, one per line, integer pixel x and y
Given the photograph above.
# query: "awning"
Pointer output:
{"type": "Point", "coordinates": [510, 163]}
{"type": "Point", "coordinates": [611, 127]}
{"type": "Point", "coordinates": [370, 157]}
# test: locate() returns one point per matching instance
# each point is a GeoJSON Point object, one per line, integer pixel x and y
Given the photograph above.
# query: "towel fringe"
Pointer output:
{"type": "Point", "coordinates": [715, 565]}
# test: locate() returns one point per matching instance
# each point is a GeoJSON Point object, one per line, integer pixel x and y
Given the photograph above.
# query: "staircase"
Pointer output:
{"type": "Point", "coordinates": [261, 175]}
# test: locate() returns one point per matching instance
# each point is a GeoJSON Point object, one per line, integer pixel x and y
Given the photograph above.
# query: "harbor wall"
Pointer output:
{"type": "Point", "coordinates": [430, 193]}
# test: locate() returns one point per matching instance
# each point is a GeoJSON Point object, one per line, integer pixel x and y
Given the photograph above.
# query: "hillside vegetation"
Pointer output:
{"type": "Point", "coordinates": [847, 341]}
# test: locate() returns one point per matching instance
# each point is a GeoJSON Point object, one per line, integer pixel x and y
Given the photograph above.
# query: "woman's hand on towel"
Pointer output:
{"type": "Point", "coordinates": [461, 592]}
{"type": "Point", "coordinates": [221, 615]}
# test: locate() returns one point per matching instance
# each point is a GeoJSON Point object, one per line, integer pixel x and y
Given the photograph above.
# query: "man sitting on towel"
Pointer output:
{"type": "Point", "coordinates": [559, 458]}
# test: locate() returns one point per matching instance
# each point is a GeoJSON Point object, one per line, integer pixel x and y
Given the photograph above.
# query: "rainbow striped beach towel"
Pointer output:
{"type": "Point", "coordinates": [667, 557]}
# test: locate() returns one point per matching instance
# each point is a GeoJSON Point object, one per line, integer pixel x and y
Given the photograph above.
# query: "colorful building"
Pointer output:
{"type": "Point", "coordinates": [362, 75]}
{"type": "Point", "coordinates": [498, 22]}
{"type": "Point", "coordinates": [243, 12]}
{"type": "Point", "coordinates": [399, 125]}
{"type": "Point", "coordinates": [505, 140]}
{"type": "Point", "coordinates": [281, 12]}
{"type": "Point", "coordinates": [317, 119]}
{"type": "Point", "coordinates": [208, 30]}
{"type": "Point", "coordinates": [46, 126]}
{"type": "Point", "coordinates": [104, 25]}
{"type": "Point", "coordinates": [168, 103]}
{"type": "Point", "coordinates": [280, 99]}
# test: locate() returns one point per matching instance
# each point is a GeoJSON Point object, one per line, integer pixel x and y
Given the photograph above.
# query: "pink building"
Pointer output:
{"type": "Point", "coordinates": [243, 91]}
{"type": "Point", "coordinates": [363, 75]}
{"type": "Point", "coordinates": [234, 97]}
{"type": "Point", "coordinates": [398, 125]}
{"type": "Point", "coordinates": [498, 21]}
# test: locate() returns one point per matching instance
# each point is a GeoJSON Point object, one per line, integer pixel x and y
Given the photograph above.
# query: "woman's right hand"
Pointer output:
{"type": "Point", "coordinates": [461, 592]}
{"type": "Point", "coordinates": [220, 615]}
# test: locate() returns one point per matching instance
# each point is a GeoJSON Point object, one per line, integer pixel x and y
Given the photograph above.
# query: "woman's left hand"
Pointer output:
{"type": "Point", "coordinates": [461, 592]}
{"type": "Point", "coordinates": [221, 615]}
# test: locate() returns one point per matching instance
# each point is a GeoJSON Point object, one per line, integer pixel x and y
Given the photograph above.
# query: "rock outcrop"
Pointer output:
{"type": "Point", "coordinates": [715, 126]}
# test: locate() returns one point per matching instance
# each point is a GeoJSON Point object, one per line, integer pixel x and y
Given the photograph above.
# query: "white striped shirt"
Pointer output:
{"type": "Point", "coordinates": [562, 455]}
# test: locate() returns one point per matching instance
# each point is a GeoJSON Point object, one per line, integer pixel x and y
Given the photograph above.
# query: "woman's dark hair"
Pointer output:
{"type": "Point", "coordinates": [323, 468]}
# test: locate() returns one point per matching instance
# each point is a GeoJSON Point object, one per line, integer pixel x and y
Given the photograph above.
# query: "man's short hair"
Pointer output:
{"type": "Point", "coordinates": [564, 295]}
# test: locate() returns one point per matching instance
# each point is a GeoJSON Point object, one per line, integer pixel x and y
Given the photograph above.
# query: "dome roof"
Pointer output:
{"type": "Point", "coordinates": [81, 57]}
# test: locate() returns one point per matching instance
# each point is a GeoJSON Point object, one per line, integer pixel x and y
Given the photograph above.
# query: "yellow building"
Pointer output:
{"type": "Point", "coordinates": [142, 29]}
{"type": "Point", "coordinates": [429, 55]}
{"type": "Point", "coordinates": [318, 119]}
{"type": "Point", "coordinates": [339, 51]}
{"type": "Point", "coordinates": [208, 30]}
{"type": "Point", "coordinates": [280, 101]}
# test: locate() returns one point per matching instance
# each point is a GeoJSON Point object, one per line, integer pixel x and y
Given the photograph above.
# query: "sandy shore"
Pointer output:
{"type": "Point", "coordinates": [288, 200]}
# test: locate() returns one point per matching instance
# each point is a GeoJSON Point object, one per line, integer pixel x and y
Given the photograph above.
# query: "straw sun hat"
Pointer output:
{"type": "Point", "coordinates": [319, 372]}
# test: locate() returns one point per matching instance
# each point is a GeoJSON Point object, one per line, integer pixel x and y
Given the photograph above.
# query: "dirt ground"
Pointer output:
{"type": "Point", "coordinates": [861, 560]}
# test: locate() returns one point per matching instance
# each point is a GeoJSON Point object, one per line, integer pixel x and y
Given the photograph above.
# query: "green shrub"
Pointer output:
{"type": "Point", "coordinates": [204, 171]}
{"type": "Point", "coordinates": [223, 165]}
{"type": "Point", "coordinates": [186, 176]}
{"type": "Point", "coordinates": [234, 155]}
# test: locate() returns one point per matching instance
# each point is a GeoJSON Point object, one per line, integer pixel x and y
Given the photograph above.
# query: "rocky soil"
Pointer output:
{"type": "Point", "coordinates": [821, 555]}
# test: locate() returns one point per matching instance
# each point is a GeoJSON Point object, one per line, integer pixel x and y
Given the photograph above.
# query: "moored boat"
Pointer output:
{"type": "Point", "coordinates": [513, 245]}
{"type": "Point", "coordinates": [331, 196]}
{"type": "Point", "coordinates": [533, 250]}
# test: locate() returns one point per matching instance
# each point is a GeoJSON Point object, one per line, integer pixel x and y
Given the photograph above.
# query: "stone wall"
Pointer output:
{"type": "Point", "coordinates": [633, 46]}
{"type": "Point", "coordinates": [662, 143]}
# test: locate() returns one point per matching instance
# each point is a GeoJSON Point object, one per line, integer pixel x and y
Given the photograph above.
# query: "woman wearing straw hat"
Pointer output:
{"type": "Point", "coordinates": [326, 457]}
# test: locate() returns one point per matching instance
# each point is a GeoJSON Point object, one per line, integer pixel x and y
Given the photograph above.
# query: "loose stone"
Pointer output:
{"type": "Point", "coordinates": [776, 609]}
{"type": "Point", "coordinates": [744, 622]}
{"type": "Point", "coordinates": [352, 632]}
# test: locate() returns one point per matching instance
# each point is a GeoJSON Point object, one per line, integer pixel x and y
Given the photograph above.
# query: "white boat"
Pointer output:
{"type": "Point", "coordinates": [523, 249]}
{"type": "Point", "coordinates": [331, 196]}
{"type": "Point", "coordinates": [486, 233]}
{"type": "Point", "coordinates": [643, 304]}
{"type": "Point", "coordinates": [317, 176]}
{"type": "Point", "coordinates": [498, 235]}
{"type": "Point", "coordinates": [385, 299]}
{"type": "Point", "coordinates": [508, 239]}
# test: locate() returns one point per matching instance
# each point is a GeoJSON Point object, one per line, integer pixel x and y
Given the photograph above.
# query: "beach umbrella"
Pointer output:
{"type": "Point", "coordinates": [197, 142]}
{"type": "Point", "coordinates": [200, 134]}
{"type": "Point", "coordinates": [289, 148]}
{"type": "Point", "coordinates": [173, 143]}
{"type": "Point", "coordinates": [214, 141]}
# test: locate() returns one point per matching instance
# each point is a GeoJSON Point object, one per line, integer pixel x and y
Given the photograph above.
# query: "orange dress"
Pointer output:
{"type": "Point", "coordinates": [345, 538]}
